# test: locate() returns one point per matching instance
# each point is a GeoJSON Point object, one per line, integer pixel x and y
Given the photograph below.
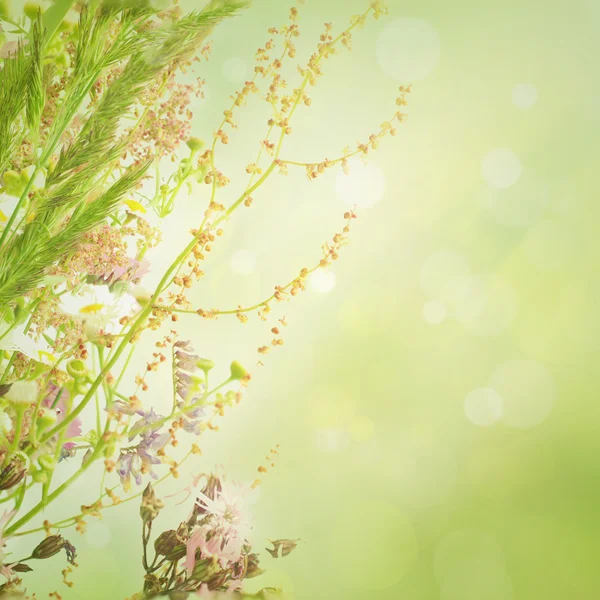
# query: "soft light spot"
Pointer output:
{"type": "Point", "coordinates": [477, 579]}
{"type": "Point", "coordinates": [331, 440]}
{"type": "Point", "coordinates": [483, 407]}
{"type": "Point", "coordinates": [548, 245]}
{"type": "Point", "coordinates": [434, 312]}
{"type": "Point", "coordinates": [524, 95]}
{"type": "Point", "coordinates": [422, 471]}
{"type": "Point", "coordinates": [408, 49]}
{"type": "Point", "coordinates": [564, 198]}
{"type": "Point", "coordinates": [3, 217]}
{"type": "Point", "coordinates": [501, 168]}
{"type": "Point", "coordinates": [361, 429]}
{"type": "Point", "coordinates": [364, 185]}
{"type": "Point", "coordinates": [235, 69]}
{"type": "Point", "coordinates": [243, 262]}
{"type": "Point", "coordinates": [485, 305]}
{"type": "Point", "coordinates": [97, 535]}
{"type": "Point", "coordinates": [465, 546]}
{"type": "Point", "coordinates": [439, 269]}
{"type": "Point", "coordinates": [527, 391]}
{"type": "Point", "coordinates": [330, 407]}
{"type": "Point", "coordinates": [389, 534]}
{"type": "Point", "coordinates": [91, 309]}
{"type": "Point", "coordinates": [322, 281]}
{"type": "Point", "coordinates": [521, 205]}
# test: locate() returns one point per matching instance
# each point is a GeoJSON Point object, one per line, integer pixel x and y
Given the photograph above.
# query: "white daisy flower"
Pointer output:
{"type": "Point", "coordinates": [99, 308]}
{"type": "Point", "coordinates": [16, 340]}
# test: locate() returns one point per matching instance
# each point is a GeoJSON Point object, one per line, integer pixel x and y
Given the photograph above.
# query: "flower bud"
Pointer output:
{"type": "Point", "coordinates": [47, 462]}
{"type": "Point", "coordinates": [217, 580]}
{"type": "Point", "coordinates": [39, 476]}
{"type": "Point", "coordinates": [177, 553]}
{"type": "Point", "coordinates": [66, 26]}
{"type": "Point", "coordinates": [237, 371]}
{"type": "Point", "coordinates": [205, 364]}
{"type": "Point", "coordinates": [22, 393]}
{"type": "Point", "coordinates": [151, 505]}
{"type": "Point", "coordinates": [166, 542]}
{"type": "Point", "coordinates": [13, 185]}
{"type": "Point", "coordinates": [5, 423]}
{"type": "Point", "coordinates": [195, 144]}
{"type": "Point", "coordinates": [14, 472]}
{"type": "Point", "coordinates": [21, 568]}
{"type": "Point", "coordinates": [52, 545]}
{"type": "Point", "coordinates": [204, 569]}
{"type": "Point", "coordinates": [76, 369]}
{"type": "Point", "coordinates": [32, 9]}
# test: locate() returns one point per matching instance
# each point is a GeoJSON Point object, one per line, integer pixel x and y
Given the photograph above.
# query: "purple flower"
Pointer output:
{"type": "Point", "coordinates": [139, 459]}
{"type": "Point", "coordinates": [143, 427]}
{"type": "Point", "coordinates": [192, 418]}
{"type": "Point", "coordinates": [186, 361]}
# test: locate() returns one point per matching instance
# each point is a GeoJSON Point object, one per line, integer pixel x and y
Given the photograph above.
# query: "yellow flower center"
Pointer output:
{"type": "Point", "coordinates": [134, 205]}
{"type": "Point", "coordinates": [47, 355]}
{"type": "Point", "coordinates": [91, 309]}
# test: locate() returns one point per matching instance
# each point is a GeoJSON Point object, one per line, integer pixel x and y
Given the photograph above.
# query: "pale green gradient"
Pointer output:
{"type": "Point", "coordinates": [379, 517]}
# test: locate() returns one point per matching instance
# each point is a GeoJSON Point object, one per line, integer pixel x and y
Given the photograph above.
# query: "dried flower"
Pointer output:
{"type": "Point", "coordinates": [151, 505]}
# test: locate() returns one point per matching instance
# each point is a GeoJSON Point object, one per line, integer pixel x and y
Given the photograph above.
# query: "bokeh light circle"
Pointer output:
{"type": "Point", "coordinates": [485, 305]}
{"type": "Point", "coordinates": [548, 245]}
{"type": "Point", "coordinates": [423, 472]}
{"type": "Point", "coordinates": [363, 186]}
{"type": "Point", "coordinates": [465, 546]}
{"type": "Point", "coordinates": [243, 262]}
{"type": "Point", "coordinates": [361, 428]}
{"type": "Point", "coordinates": [521, 205]}
{"type": "Point", "coordinates": [476, 580]}
{"type": "Point", "coordinates": [440, 268]}
{"type": "Point", "coordinates": [501, 168]}
{"type": "Point", "coordinates": [470, 565]}
{"type": "Point", "coordinates": [524, 95]}
{"type": "Point", "coordinates": [483, 406]}
{"type": "Point", "coordinates": [357, 550]}
{"type": "Point", "coordinates": [408, 49]}
{"type": "Point", "coordinates": [331, 440]}
{"type": "Point", "coordinates": [322, 281]}
{"type": "Point", "coordinates": [235, 69]}
{"type": "Point", "coordinates": [527, 390]}
{"type": "Point", "coordinates": [435, 312]}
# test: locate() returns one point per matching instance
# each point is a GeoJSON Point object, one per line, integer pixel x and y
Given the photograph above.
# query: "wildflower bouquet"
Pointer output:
{"type": "Point", "coordinates": [95, 146]}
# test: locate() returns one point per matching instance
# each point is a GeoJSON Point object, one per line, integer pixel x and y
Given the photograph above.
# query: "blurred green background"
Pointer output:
{"type": "Point", "coordinates": [436, 398]}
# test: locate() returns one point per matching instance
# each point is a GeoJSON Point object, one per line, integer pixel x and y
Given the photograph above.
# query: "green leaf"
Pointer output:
{"type": "Point", "coordinates": [54, 16]}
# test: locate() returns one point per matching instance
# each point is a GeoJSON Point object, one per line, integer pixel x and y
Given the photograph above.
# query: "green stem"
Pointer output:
{"type": "Point", "coordinates": [22, 199]}
{"type": "Point", "coordinates": [57, 492]}
{"type": "Point", "coordinates": [126, 340]}
{"type": "Point", "coordinates": [67, 522]}
{"type": "Point", "coordinates": [20, 410]}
